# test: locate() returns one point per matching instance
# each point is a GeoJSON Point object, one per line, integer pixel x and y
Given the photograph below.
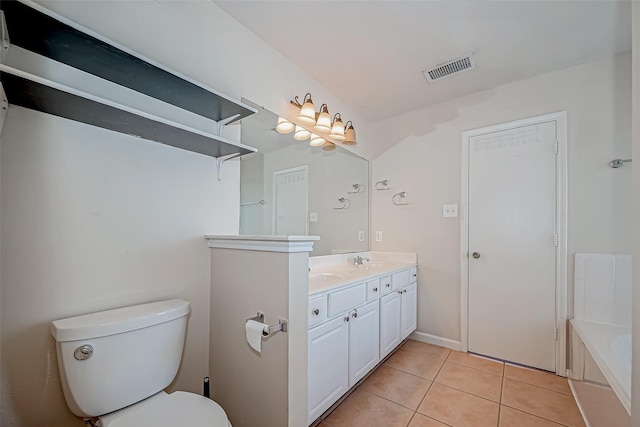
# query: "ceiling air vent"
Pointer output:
{"type": "Point", "coordinates": [450, 68]}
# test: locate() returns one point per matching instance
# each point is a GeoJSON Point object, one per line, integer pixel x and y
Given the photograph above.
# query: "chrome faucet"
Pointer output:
{"type": "Point", "coordinates": [358, 260]}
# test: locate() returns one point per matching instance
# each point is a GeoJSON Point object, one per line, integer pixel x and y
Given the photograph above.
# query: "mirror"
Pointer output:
{"type": "Point", "coordinates": [291, 188]}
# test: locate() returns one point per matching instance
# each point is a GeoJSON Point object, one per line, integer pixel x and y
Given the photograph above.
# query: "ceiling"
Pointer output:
{"type": "Point", "coordinates": [371, 54]}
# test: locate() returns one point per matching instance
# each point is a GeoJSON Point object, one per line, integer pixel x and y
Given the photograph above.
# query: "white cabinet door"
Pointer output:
{"type": "Point", "coordinates": [364, 341]}
{"type": "Point", "coordinates": [409, 320]}
{"type": "Point", "coordinates": [328, 370]}
{"type": "Point", "coordinates": [390, 309]}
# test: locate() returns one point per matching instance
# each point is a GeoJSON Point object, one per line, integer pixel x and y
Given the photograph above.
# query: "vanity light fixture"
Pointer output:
{"type": "Point", "coordinates": [337, 128]}
{"type": "Point", "coordinates": [307, 113]}
{"type": "Point", "coordinates": [350, 135]}
{"type": "Point", "coordinates": [317, 141]}
{"type": "Point", "coordinates": [324, 120]}
{"type": "Point", "coordinates": [328, 146]}
{"type": "Point", "coordinates": [301, 134]}
{"type": "Point", "coordinates": [284, 126]}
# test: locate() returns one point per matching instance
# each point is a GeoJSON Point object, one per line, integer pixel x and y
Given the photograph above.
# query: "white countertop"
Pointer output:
{"type": "Point", "coordinates": [327, 277]}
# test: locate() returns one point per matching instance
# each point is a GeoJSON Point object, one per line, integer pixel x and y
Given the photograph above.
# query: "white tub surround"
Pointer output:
{"type": "Point", "coordinates": [267, 274]}
{"type": "Point", "coordinates": [358, 314]}
{"type": "Point", "coordinates": [601, 330]}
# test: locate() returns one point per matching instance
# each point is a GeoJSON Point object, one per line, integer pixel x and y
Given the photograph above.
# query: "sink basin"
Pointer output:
{"type": "Point", "coordinates": [326, 276]}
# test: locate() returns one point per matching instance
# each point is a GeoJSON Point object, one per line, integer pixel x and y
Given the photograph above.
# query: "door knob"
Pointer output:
{"type": "Point", "coordinates": [476, 255]}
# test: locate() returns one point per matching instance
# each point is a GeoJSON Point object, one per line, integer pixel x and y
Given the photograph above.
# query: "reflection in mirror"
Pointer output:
{"type": "Point", "coordinates": [290, 188]}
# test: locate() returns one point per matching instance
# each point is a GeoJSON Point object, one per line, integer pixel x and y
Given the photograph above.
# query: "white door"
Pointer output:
{"type": "Point", "coordinates": [291, 206]}
{"type": "Point", "coordinates": [364, 341]}
{"type": "Point", "coordinates": [512, 244]}
{"type": "Point", "coordinates": [328, 371]}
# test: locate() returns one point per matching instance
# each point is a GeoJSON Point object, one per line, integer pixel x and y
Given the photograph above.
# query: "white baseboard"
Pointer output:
{"type": "Point", "coordinates": [435, 340]}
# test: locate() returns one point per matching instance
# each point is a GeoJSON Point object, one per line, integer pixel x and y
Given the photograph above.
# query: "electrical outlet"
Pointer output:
{"type": "Point", "coordinates": [361, 236]}
{"type": "Point", "coordinates": [313, 217]}
{"type": "Point", "coordinates": [449, 211]}
{"type": "Point", "coordinates": [378, 236]}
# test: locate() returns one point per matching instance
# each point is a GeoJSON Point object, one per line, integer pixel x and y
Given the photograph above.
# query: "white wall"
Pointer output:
{"type": "Point", "coordinates": [93, 219]}
{"type": "Point", "coordinates": [426, 164]}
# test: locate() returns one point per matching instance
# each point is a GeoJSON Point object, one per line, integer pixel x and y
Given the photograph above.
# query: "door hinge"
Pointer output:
{"type": "Point", "coordinates": [555, 240]}
{"type": "Point", "coordinates": [555, 333]}
{"type": "Point", "coordinates": [557, 147]}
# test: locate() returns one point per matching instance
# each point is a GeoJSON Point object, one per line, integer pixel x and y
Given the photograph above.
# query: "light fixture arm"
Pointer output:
{"type": "Point", "coordinates": [297, 103]}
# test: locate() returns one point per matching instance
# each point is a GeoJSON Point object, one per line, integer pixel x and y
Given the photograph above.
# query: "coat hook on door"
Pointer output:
{"type": "Point", "coordinates": [358, 187]}
{"type": "Point", "coordinates": [401, 195]}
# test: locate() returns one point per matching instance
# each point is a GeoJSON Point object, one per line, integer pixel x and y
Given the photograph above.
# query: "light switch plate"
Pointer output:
{"type": "Point", "coordinates": [361, 236]}
{"type": "Point", "coordinates": [313, 217]}
{"type": "Point", "coordinates": [378, 236]}
{"type": "Point", "coordinates": [449, 211]}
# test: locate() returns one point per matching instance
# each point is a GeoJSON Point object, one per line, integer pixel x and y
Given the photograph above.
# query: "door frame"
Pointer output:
{"type": "Point", "coordinates": [274, 220]}
{"type": "Point", "coordinates": [561, 229]}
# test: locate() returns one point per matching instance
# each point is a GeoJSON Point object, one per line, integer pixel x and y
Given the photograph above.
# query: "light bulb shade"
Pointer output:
{"type": "Point", "coordinates": [284, 126]}
{"type": "Point", "coordinates": [324, 120]}
{"type": "Point", "coordinates": [337, 130]}
{"type": "Point", "coordinates": [328, 146]}
{"type": "Point", "coordinates": [307, 112]}
{"type": "Point", "coordinates": [301, 134]}
{"type": "Point", "coordinates": [317, 141]}
{"type": "Point", "coordinates": [350, 136]}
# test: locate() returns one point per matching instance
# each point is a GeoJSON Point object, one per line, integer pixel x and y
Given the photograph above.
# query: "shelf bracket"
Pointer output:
{"type": "Point", "coordinates": [220, 124]}
{"type": "Point", "coordinates": [4, 35]}
{"type": "Point", "coordinates": [220, 161]}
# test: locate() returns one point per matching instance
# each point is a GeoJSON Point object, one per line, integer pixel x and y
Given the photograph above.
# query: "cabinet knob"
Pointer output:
{"type": "Point", "coordinates": [400, 292]}
{"type": "Point", "coordinates": [375, 289]}
{"type": "Point", "coordinates": [346, 319]}
{"type": "Point", "coordinates": [355, 313]}
{"type": "Point", "coordinates": [388, 284]}
{"type": "Point", "coordinates": [316, 312]}
{"type": "Point", "coordinates": [404, 291]}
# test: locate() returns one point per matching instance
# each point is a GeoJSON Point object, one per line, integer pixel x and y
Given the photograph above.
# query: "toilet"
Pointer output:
{"type": "Point", "coordinates": [115, 364]}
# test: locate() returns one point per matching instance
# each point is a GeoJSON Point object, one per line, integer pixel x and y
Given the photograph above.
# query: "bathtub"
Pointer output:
{"type": "Point", "coordinates": [610, 348]}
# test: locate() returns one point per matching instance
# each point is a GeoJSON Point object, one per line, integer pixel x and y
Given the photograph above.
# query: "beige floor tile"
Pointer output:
{"type": "Point", "coordinates": [397, 386]}
{"type": "Point", "coordinates": [413, 362]}
{"type": "Point", "coordinates": [510, 417]}
{"type": "Point", "coordinates": [363, 409]}
{"type": "Point", "coordinates": [539, 378]}
{"type": "Point", "coordinates": [476, 362]}
{"type": "Point", "coordinates": [420, 420]}
{"type": "Point", "coordinates": [474, 381]}
{"type": "Point", "coordinates": [425, 349]}
{"type": "Point", "coordinates": [542, 402]}
{"type": "Point", "coordinates": [458, 408]}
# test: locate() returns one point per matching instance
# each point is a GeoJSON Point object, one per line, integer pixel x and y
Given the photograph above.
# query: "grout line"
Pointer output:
{"type": "Point", "coordinates": [537, 416]}
{"type": "Point", "coordinates": [411, 373]}
{"type": "Point", "coordinates": [477, 369]}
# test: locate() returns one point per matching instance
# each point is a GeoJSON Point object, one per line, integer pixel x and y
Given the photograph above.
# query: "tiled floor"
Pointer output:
{"type": "Point", "coordinates": [423, 385]}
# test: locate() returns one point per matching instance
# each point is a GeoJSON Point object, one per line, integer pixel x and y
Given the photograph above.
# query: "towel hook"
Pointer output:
{"type": "Point", "coordinates": [346, 203]}
{"type": "Point", "coordinates": [400, 195]}
{"type": "Point", "coordinates": [358, 187]}
{"type": "Point", "coordinates": [382, 185]}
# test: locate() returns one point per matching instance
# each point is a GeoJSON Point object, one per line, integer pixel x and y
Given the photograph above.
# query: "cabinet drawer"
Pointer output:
{"type": "Point", "coordinates": [317, 310]}
{"type": "Point", "coordinates": [400, 280]}
{"type": "Point", "coordinates": [347, 299]}
{"type": "Point", "coordinates": [413, 275]}
{"type": "Point", "coordinates": [373, 289]}
{"type": "Point", "coordinates": [385, 284]}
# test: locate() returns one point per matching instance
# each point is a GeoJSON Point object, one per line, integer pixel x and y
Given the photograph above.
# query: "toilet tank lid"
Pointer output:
{"type": "Point", "coordinates": [119, 320]}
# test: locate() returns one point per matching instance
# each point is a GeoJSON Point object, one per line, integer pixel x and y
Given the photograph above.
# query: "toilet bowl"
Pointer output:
{"type": "Point", "coordinates": [115, 364]}
{"type": "Point", "coordinates": [169, 410]}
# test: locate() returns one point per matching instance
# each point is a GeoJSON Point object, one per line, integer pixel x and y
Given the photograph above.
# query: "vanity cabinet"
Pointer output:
{"type": "Point", "coordinates": [351, 328]}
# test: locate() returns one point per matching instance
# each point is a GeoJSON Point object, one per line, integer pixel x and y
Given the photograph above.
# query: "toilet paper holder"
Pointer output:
{"type": "Point", "coordinates": [268, 330]}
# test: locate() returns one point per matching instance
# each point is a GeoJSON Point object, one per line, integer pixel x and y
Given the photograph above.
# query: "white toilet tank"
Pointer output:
{"type": "Point", "coordinates": [115, 358]}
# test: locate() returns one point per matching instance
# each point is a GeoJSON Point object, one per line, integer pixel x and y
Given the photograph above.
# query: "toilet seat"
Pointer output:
{"type": "Point", "coordinates": [169, 410]}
